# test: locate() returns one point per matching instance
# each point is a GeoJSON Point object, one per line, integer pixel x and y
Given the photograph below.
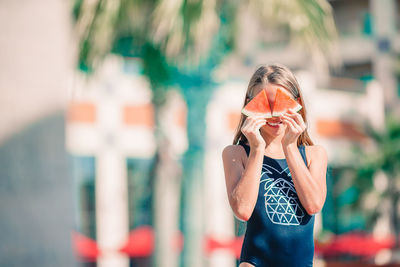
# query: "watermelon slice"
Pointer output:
{"type": "Point", "coordinates": [283, 102]}
{"type": "Point", "coordinates": [258, 106]}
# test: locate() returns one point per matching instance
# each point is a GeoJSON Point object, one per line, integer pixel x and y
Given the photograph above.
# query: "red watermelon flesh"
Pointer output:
{"type": "Point", "coordinates": [258, 106]}
{"type": "Point", "coordinates": [283, 102]}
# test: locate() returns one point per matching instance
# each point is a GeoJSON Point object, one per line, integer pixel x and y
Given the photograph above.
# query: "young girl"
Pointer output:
{"type": "Point", "coordinates": [275, 178]}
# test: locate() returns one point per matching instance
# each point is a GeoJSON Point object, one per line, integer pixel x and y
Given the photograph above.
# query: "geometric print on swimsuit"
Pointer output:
{"type": "Point", "coordinates": [282, 204]}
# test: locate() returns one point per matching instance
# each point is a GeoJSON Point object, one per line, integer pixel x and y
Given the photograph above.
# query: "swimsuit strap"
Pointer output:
{"type": "Point", "coordinates": [302, 150]}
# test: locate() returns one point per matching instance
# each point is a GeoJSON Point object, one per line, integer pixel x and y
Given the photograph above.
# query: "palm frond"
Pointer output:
{"type": "Point", "coordinates": [185, 29]}
{"type": "Point", "coordinates": [95, 29]}
{"type": "Point", "coordinates": [310, 24]}
{"type": "Point", "coordinates": [384, 160]}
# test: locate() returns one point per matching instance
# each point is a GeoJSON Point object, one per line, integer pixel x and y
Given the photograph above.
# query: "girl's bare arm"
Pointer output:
{"type": "Point", "coordinates": [310, 182]}
{"type": "Point", "coordinates": [242, 182]}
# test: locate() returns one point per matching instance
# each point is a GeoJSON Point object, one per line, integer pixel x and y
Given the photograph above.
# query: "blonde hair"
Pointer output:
{"type": "Point", "coordinates": [280, 75]}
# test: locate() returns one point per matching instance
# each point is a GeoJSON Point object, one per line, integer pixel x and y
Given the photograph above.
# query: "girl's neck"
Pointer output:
{"type": "Point", "coordinates": [274, 142]}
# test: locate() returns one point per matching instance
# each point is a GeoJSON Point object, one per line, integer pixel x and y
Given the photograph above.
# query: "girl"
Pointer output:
{"type": "Point", "coordinates": [275, 178]}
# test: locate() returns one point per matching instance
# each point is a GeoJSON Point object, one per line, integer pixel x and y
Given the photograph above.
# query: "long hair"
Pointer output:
{"type": "Point", "coordinates": [280, 75]}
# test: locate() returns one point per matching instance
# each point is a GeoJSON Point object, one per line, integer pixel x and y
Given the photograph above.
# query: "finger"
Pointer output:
{"type": "Point", "coordinates": [250, 120]}
{"type": "Point", "coordinates": [251, 123]}
{"type": "Point", "coordinates": [290, 117]}
{"type": "Point", "coordinates": [298, 118]}
{"type": "Point", "coordinates": [293, 123]}
{"type": "Point", "coordinates": [258, 120]}
{"type": "Point", "coordinates": [245, 125]}
{"type": "Point", "coordinates": [290, 125]}
{"type": "Point", "coordinates": [263, 120]}
{"type": "Point", "coordinates": [261, 123]}
{"type": "Point", "coordinates": [291, 111]}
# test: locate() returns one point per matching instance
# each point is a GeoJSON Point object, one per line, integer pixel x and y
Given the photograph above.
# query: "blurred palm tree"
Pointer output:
{"type": "Point", "coordinates": [180, 43]}
{"type": "Point", "coordinates": [377, 174]}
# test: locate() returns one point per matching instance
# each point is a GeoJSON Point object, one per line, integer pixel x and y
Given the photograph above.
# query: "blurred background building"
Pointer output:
{"type": "Point", "coordinates": [36, 173]}
{"type": "Point", "coordinates": [101, 169]}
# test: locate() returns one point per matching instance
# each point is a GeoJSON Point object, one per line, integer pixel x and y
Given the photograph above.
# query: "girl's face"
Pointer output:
{"type": "Point", "coordinates": [272, 130]}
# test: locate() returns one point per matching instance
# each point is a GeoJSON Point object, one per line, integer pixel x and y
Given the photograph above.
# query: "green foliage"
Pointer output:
{"type": "Point", "coordinates": [190, 12]}
{"type": "Point", "coordinates": [84, 65]}
{"type": "Point", "coordinates": [184, 32]}
{"type": "Point", "coordinates": [348, 196]}
{"type": "Point", "coordinates": [76, 9]}
{"type": "Point", "coordinates": [353, 183]}
{"type": "Point", "coordinates": [156, 69]}
{"type": "Point", "coordinates": [309, 23]}
{"type": "Point", "coordinates": [95, 22]}
{"type": "Point", "coordinates": [154, 65]}
{"type": "Point", "coordinates": [384, 158]}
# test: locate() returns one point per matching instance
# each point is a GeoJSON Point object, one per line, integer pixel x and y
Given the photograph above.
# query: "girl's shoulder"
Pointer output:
{"type": "Point", "coordinates": [315, 152]}
{"type": "Point", "coordinates": [234, 152]}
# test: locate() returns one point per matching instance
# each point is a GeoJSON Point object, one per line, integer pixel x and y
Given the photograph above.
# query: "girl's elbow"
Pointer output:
{"type": "Point", "coordinates": [242, 217]}
{"type": "Point", "coordinates": [313, 209]}
{"type": "Point", "coordinates": [316, 206]}
{"type": "Point", "coordinates": [242, 213]}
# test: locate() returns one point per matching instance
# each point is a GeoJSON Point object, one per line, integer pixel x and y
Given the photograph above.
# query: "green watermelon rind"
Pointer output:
{"type": "Point", "coordinates": [256, 114]}
{"type": "Point", "coordinates": [295, 109]}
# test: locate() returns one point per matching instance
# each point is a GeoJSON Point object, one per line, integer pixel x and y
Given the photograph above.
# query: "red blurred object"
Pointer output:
{"type": "Point", "coordinates": [233, 245]}
{"type": "Point", "coordinates": [85, 247]}
{"type": "Point", "coordinates": [178, 242]}
{"type": "Point", "coordinates": [355, 243]}
{"type": "Point", "coordinates": [140, 242]}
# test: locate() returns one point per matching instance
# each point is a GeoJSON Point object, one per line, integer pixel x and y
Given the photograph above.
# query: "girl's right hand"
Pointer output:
{"type": "Point", "coordinates": [251, 129]}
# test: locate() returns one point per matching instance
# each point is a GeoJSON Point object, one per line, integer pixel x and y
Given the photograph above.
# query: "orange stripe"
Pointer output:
{"type": "Point", "coordinates": [139, 115]}
{"type": "Point", "coordinates": [337, 128]}
{"type": "Point", "coordinates": [81, 112]}
{"type": "Point", "coordinates": [180, 118]}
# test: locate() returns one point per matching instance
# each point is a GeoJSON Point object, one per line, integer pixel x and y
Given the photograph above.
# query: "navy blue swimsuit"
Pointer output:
{"type": "Point", "coordinates": [279, 232]}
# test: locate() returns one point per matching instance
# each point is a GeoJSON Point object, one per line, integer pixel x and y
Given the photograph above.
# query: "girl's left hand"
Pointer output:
{"type": "Point", "coordinates": [294, 127]}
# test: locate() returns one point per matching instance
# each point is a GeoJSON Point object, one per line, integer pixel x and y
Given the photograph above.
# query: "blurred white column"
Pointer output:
{"type": "Point", "coordinates": [219, 217]}
{"type": "Point", "coordinates": [111, 140]}
{"type": "Point", "coordinates": [112, 222]}
{"type": "Point", "coordinates": [384, 15]}
{"type": "Point", "coordinates": [168, 183]}
{"type": "Point", "coordinates": [111, 208]}
{"type": "Point", "coordinates": [375, 105]}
